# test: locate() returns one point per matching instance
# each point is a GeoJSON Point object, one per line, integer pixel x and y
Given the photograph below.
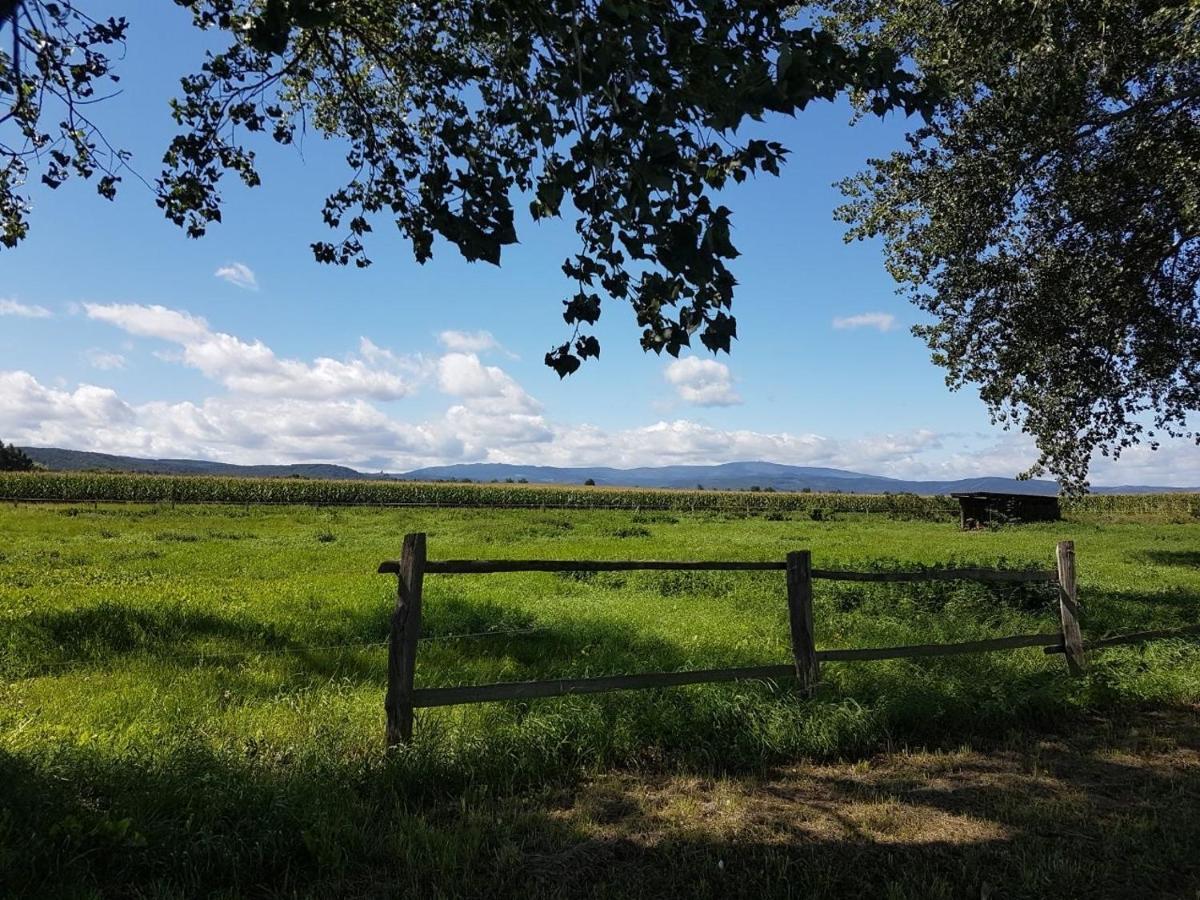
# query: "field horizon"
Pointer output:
{"type": "Point", "coordinates": [738, 475]}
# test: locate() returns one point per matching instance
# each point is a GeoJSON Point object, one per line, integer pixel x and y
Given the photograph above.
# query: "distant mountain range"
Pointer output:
{"type": "Point", "coordinates": [727, 476]}
{"type": "Point", "coordinates": [83, 460]}
{"type": "Point", "coordinates": [742, 475]}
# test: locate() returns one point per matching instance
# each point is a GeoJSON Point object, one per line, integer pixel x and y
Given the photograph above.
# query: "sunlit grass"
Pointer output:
{"type": "Point", "coordinates": [193, 696]}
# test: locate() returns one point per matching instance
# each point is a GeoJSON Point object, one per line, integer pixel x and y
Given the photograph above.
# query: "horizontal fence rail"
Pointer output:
{"type": "Point", "coordinates": [1135, 637]}
{"type": "Point", "coordinates": [499, 566]}
{"type": "Point", "coordinates": [403, 697]}
{"type": "Point", "coordinates": [495, 566]}
{"type": "Point", "coordinates": [986, 575]}
{"type": "Point", "coordinates": [524, 690]}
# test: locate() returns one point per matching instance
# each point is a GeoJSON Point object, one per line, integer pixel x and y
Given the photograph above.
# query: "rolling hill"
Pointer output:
{"type": "Point", "coordinates": [726, 476]}
{"type": "Point", "coordinates": [83, 460]}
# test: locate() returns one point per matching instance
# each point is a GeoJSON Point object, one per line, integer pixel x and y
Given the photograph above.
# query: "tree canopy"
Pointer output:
{"type": "Point", "coordinates": [1047, 216]}
{"type": "Point", "coordinates": [1045, 213]}
{"type": "Point", "coordinates": [620, 113]}
{"type": "Point", "coordinates": [14, 459]}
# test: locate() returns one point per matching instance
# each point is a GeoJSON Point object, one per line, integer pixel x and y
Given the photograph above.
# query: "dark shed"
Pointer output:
{"type": "Point", "coordinates": [982, 507]}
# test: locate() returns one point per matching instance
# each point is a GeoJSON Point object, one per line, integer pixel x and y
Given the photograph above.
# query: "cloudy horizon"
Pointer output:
{"type": "Point", "coordinates": [347, 408]}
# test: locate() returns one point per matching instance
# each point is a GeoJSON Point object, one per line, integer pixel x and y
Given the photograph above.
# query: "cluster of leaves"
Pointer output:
{"type": "Point", "coordinates": [454, 109]}
{"type": "Point", "coordinates": [14, 459]}
{"type": "Point", "coordinates": [1048, 215]}
{"type": "Point", "coordinates": [50, 72]}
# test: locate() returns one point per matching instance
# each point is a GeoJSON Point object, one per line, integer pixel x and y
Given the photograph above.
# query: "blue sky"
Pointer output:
{"type": "Point", "coordinates": [117, 333]}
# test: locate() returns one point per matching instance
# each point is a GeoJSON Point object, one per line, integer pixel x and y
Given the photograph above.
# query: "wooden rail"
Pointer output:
{"type": "Point", "coordinates": [525, 690]}
{"type": "Point", "coordinates": [497, 566]}
{"type": "Point", "coordinates": [986, 575]}
{"type": "Point", "coordinates": [403, 696]}
{"type": "Point", "coordinates": [494, 566]}
{"type": "Point", "coordinates": [1135, 637]}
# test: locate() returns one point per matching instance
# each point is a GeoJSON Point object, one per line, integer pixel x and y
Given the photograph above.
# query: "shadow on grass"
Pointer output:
{"type": "Point", "coordinates": [57, 639]}
{"type": "Point", "coordinates": [457, 634]}
{"type": "Point", "coordinates": [1110, 612]}
{"type": "Point", "coordinates": [499, 806]}
{"type": "Point", "coordinates": [1104, 811]}
{"type": "Point", "coordinates": [1189, 559]}
{"type": "Point", "coordinates": [1109, 811]}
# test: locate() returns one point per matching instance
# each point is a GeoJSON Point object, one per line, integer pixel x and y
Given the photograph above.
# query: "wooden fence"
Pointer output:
{"type": "Point", "coordinates": [403, 697]}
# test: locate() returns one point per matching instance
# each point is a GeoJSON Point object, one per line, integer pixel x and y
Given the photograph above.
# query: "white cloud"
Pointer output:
{"type": "Point", "coordinates": [484, 426]}
{"type": "Point", "coordinates": [24, 310]}
{"type": "Point", "coordinates": [1176, 462]}
{"type": "Point", "coordinates": [291, 410]}
{"type": "Point", "coordinates": [703, 382]}
{"type": "Point", "coordinates": [877, 320]}
{"type": "Point", "coordinates": [468, 341]}
{"type": "Point", "coordinates": [104, 359]}
{"type": "Point", "coordinates": [150, 321]}
{"type": "Point", "coordinates": [683, 442]}
{"type": "Point", "coordinates": [253, 368]}
{"type": "Point", "coordinates": [483, 387]}
{"type": "Point", "coordinates": [239, 275]}
{"type": "Point", "coordinates": [39, 415]}
{"type": "Point", "coordinates": [493, 412]}
{"type": "Point", "coordinates": [275, 409]}
{"type": "Point", "coordinates": [244, 428]}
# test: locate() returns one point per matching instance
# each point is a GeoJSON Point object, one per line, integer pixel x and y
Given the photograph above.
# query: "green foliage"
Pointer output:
{"type": "Point", "coordinates": [50, 72]}
{"type": "Point", "coordinates": [627, 114]}
{"type": "Point", "coordinates": [14, 459]}
{"type": "Point", "coordinates": [1047, 216]}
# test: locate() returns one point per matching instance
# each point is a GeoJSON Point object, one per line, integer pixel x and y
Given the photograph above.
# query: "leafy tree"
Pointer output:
{"type": "Point", "coordinates": [626, 111]}
{"type": "Point", "coordinates": [1048, 215]}
{"type": "Point", "coordinates": [49, 74]}
{"type": "Point", "coordinates": [14, 459]}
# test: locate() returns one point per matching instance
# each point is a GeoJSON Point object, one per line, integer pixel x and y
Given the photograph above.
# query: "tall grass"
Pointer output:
{"type": "Point", "coordinates": [191, 698]}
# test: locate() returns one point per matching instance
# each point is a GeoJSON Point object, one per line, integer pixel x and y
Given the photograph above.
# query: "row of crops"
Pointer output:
{"type": "Point", "coordinates": [1180, 503]}
{"type": "Point", "coordinates": [100, 487]}
{"type": "Point", "coordinates": [87, 486]}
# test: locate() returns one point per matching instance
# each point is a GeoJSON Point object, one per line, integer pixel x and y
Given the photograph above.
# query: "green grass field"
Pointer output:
{"type": "Point", "coordinates": [191, 697]}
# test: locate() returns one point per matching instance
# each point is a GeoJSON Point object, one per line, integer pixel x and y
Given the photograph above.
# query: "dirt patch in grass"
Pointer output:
{"type": "Point", "coordinates": [1103, 809]}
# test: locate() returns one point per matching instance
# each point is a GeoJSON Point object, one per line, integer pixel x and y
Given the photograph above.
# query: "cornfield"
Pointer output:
{"type": "Point", "coordinates": [101, 487]}
{"type": "Point", "coordinates": [129, 487]}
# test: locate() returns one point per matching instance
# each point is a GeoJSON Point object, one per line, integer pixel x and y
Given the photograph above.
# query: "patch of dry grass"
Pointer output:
{"type": "Point", "coordinates": [1105, 809]}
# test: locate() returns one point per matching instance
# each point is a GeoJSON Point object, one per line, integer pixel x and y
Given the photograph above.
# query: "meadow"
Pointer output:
{"type": "Point", "coordinates": [191, 699]}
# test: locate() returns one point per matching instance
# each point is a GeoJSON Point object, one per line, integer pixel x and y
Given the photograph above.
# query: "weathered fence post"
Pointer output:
{"type": "Point", "coordinates": [800, 615]}
{"type": "Point", "coordinates": [1068, 607]}
{"type": "Point", "coordinates": [402, 642]}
